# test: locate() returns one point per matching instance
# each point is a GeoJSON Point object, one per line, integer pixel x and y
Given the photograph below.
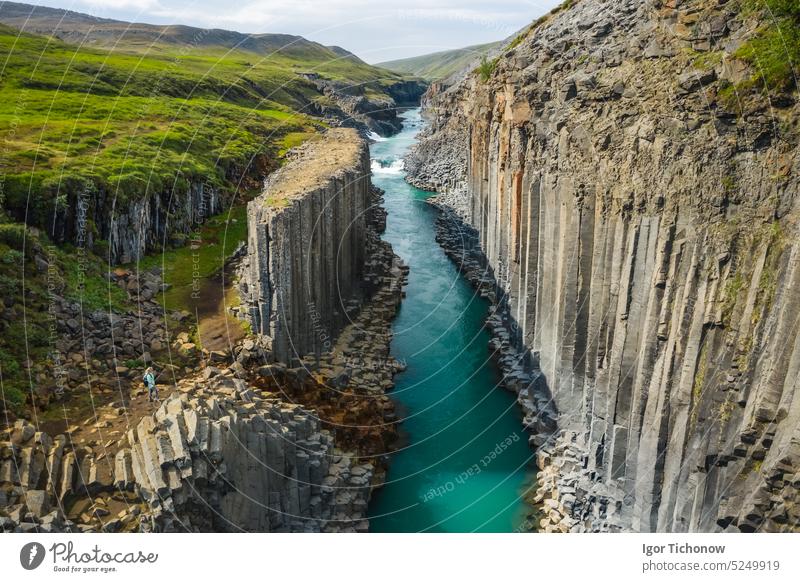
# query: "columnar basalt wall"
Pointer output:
{"type": "Point", "coordinates": [642, 233]}
{"type": "Point", "coordinates": [93, 216]}
{"type": "Point", "coordinates": [307, 234]}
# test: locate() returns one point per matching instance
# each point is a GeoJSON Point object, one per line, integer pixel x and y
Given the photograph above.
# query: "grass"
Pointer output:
{"type": "Point", "coordinates": [774, 52]}
{"type": "Point", "coordinates": [726, 410]}
{"type": "Point", "coordinates": [768, 282]}
{"type": "Point", "coordinates": [733, 287]}
{"type": "Point", "coordinates": [205, 255]}
{"type": "Point", "coordinates": [699, 377]}
{"type": "Point", "coordinates": [27, 325]}
{"type": "Point", "coordinates": [117, 126]}
{"type": "Point", "coordinates": [86, 282]}
{"type": "Point", "coordinates": [728, 95]}
{"type": "Point", "coordinates": [707, 60]}
{"type": "Point", "coordinates": [729, 183]}
{"type": "Point", "coordinates": [773, 237]}
{"type": "Point", "coordinates": [486, 68]}
{"type": "Point", "coordinates": [77, 119]}
{"type": "Point", "coordinates": [294, 139]}
{"type": "Point", "coordinates": [127, 126]}
{"type": "Point", "coordinates": [441, 64]}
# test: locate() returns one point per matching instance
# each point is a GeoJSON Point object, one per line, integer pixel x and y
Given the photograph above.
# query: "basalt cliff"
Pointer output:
{"type": "Point", "coordinates": [634, 195]}
{"type": "Point", "coordinates": [306, 245]}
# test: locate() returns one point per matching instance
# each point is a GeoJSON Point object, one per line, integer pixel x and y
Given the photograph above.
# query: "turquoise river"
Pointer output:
{"type": "Point", "coordinates": [464, 465]}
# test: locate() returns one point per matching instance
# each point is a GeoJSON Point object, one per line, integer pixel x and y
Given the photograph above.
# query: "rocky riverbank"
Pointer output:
{"type": "Point", "coordinates": [245, 447]}
{"type": "Point", "coordinates": [560, 470]}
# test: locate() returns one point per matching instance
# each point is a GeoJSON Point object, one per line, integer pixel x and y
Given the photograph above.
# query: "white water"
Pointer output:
{"type": "Point", "coordinates": [387, 167]}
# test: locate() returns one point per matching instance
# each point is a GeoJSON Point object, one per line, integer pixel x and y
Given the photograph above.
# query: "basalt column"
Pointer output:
{"type": "Point", "coordinates": [306, 246]}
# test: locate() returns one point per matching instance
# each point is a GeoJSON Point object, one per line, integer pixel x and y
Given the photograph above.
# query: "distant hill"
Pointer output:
{"type": "Point", "coordinates": [77, 28]}
{"type": "Point", "coordinates": [440, 65]}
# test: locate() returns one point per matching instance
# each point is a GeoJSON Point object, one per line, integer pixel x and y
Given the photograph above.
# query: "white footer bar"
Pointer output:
{"type": "Point", "coordinates": [395, 557]}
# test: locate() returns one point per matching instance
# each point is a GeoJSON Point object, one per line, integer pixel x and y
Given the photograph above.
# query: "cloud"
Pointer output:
{"type": "Point", "coordinates": [106, 5]}
{"type": "Point", "coordinates": [375, 30]}
{"type": "Point", "coordinates": [311, 14]}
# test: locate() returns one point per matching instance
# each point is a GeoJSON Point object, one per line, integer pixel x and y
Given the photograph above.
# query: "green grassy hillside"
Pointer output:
{"type": "Point", "coordinates": [442, 64]}
{"type": "Point", "coordinates": [131, 122]}
{"type": "Point", "coordinates": [149, 118]}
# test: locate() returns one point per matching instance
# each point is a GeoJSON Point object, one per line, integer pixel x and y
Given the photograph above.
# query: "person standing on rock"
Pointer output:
{"type": "Point", "coordinates": [150, 383]}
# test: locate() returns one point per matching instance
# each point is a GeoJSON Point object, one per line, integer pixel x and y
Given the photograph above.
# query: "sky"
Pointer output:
{"type": "Point", "coordinates": [374, 30]}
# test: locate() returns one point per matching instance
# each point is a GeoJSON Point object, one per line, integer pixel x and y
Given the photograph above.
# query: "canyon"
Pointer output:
{"type": "Point", "coordinates": [462, 463]}
{"type": "Point", "coordinates": [152, 82]}
{"type": "Point", "coordinates": [608, 205]}
{"type": "Point", "coordinates": [641, 236]}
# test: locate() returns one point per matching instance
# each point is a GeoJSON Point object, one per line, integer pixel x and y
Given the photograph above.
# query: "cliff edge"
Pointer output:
{"type": "Point", "coordinates": [631, 173]}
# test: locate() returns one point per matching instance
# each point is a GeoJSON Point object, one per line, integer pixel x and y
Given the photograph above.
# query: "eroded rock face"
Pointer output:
{"type": "Point", "coordinates": [642, 237]}
{"type": "Point", "coordinates": [93, 216]}
{"type": "Point", "coordinates": [307, 236]}
{"type": "Point", "coordinates": [218, 455]}
{"type": "Point", "coordinates": [228, 450]}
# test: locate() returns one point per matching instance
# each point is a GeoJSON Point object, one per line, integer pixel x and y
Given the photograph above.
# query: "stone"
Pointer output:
{"type": "Point", "coordinates": [187, 349]}
{"type": "Point", "coordinates": [37, 502]}
{"type": "Point", "coordinates": [22, 433]}
{"type": "Point", "coordinates": [305, 319]}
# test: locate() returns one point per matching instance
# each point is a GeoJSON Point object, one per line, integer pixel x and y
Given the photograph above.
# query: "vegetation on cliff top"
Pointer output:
{"type": "Point", "coordinates": [128, 124]}
{"type": "Point", "coordinates": [774, 53]}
